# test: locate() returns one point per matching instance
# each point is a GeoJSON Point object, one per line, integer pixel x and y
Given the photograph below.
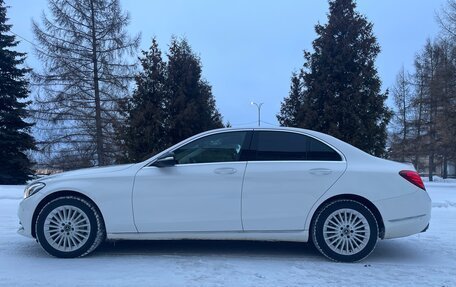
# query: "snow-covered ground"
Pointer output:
{"type": "Point", "coordinates": [426, 259]}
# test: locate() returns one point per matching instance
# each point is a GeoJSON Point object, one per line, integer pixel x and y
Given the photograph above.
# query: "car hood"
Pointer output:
{"type": "Point", "coordinates": [85, 171]}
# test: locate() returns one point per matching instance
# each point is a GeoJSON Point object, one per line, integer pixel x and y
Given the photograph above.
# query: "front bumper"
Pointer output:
{"type": "Point", "coordinates": [405, 215]}
{"type": "Point", "coordinates": [21, 230]}
{"type": "Point", "coordinates": [25, 213]}
{"type": "Point", "coordinates": [426, 228]}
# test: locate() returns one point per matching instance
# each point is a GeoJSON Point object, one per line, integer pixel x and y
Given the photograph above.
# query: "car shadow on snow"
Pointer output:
{"type": "Point", "coordinates": [231, 248]}
{"type": "Point", "coordinates": [29, 249]}
{"type": "Point", "coordinates": [401, 250]}
{"type": "Point", "coordinates": [388, 251]}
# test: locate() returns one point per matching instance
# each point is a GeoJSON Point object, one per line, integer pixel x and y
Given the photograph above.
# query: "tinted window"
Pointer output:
{"type": "Point", "coordinates": [320, 151]}
{"type": "Point", "coordinates": [214, 148]}
{"type": "Point", "coordinates": [291, 146]}
{"type": "Point", "coordinates": [280, 146]}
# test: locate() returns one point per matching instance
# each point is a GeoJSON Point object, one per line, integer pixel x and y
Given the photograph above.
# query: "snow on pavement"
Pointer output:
{"type": "Point", "coordinates": [426, 259]}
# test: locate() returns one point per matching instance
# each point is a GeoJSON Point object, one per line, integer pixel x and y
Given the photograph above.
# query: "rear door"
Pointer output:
{"type": "Point", "coordinates": [286, 175]}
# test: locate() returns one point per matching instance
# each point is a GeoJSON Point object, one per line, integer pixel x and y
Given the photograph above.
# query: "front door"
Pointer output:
{"type": "Point", "coordinates": [202, 192]}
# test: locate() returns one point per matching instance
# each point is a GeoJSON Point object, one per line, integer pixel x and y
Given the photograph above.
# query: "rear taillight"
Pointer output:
{"type": "Point", "coordinates": [413, 177]}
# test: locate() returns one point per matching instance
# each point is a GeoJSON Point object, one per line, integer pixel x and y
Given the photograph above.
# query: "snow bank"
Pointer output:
{"type": "Point", "coordinates": [11, 191]}
{"type": "Point", "coordinates": [438, 179]}
{"type": "Point", "coordinates": [426, 259]}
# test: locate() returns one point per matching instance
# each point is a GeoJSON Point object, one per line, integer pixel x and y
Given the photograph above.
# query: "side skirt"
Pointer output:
{"type": "Point", "coordinates": [296, 236]}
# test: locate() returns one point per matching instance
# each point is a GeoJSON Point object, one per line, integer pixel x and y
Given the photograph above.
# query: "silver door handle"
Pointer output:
{"type": "Point", "coordinates": [225, 170]}
{"type": "Point", "coordinates": [320, 171]}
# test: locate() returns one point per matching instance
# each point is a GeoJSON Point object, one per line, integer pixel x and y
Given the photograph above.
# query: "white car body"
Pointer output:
{"type": "Point", "coordinates": [252, 200]}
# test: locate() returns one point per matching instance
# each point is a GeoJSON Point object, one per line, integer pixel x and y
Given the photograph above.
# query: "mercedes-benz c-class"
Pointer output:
{"type": "Point", "coordinates": [279, 184]}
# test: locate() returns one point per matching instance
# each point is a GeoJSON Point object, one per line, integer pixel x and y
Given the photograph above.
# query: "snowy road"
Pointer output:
{"type": "Point", "coordinates": [427, 259]}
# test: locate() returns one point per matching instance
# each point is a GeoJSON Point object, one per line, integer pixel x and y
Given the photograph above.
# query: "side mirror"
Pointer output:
{"type": "Point", "coordinates": [165, 161]}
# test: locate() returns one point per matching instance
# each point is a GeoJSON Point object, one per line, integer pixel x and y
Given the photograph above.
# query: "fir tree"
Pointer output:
{"type": "Point", "coordinates": [342, 87]}
{"type": "Point", "coordinates": [191, 105]}
{"type": "Point", "coordinates": [291, 106]}
{"type": "Point", "coordinates": [171, 102]}
{"type": "Point", "coordinates": [145, 131]}
{"type": "Point", "coordinates": [15, 139]}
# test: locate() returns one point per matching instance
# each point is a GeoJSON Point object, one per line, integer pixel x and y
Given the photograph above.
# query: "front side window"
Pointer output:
{"type": "Point", "coordinates": [222, 147]}
{"type": "Point", "coordinates": [286, 146]}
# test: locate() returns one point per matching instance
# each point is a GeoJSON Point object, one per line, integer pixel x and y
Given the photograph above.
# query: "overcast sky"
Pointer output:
{"type": "Point", "coordinates": [250, 48]}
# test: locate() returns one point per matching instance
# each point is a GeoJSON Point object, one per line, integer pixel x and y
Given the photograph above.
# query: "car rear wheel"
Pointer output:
{"type": "Point", "coordinates": [345, 230]}
{"type": "Point", "coordinates": [69, 227]}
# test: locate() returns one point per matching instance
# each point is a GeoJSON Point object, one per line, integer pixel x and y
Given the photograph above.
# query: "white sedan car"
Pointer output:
{"type": "Point", "coordinates": [279, 184]}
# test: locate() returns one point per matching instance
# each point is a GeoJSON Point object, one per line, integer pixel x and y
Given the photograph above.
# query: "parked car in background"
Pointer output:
{"type": "Point", "coordinates": [280, 184]}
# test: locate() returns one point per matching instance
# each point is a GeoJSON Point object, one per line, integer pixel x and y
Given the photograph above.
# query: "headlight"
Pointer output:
{"type": "Point", "coordinates": [33, 188]}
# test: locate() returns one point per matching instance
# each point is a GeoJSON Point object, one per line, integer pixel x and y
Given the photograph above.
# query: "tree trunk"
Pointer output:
{"type": "Point", "coordinates": [98, 124]}
{"type": "Point", "coordinates": [404, 115]}
{"type": "Point", "coordinates": [445, 167]}
{"type": "Point", "coordinates": [418, 149]}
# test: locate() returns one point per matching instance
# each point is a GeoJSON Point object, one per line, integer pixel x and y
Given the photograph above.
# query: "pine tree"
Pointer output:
{"type": "Point", "coordinates": [15, 139]}
{"type": "Point", "coordinates": [171, 102]}
{"type": "Point", "coordinates": [291, 105]}
{"type": "Point", "coordinates": [145, 132]}
{"type": "Point", "coordinates": [191, 105]}
{"type": "Point", "coordinates": [342, 86]}
{"type": "Point", "coordinates": [84, 46]}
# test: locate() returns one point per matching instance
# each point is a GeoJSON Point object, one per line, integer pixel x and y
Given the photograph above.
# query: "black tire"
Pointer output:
{"type": "Point", "coordinates": [345, 242]}
{"type": "Point", "coordinates": [73, 234]}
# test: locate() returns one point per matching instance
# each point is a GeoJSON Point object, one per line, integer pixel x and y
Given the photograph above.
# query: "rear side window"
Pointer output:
{"type": "Point", "coordinates": [320, 151]}
{"type": "Point", "coordinates": [280, 146]}
{"type": "Point", "coordinates": [285, 146]}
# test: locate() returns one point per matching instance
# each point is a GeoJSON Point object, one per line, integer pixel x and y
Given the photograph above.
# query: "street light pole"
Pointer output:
{"type": "Point", "coordinates": [259, 111]}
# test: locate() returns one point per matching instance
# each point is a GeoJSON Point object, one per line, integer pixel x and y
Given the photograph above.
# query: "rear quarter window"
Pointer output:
{"type": "Point", "coordinates": [321, 151]}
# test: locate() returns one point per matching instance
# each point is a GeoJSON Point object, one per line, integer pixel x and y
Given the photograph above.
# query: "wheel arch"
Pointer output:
{"type": "Point", "coordinates": [359, 199]}
{"type": "Point", "coordinates": [58, 194]}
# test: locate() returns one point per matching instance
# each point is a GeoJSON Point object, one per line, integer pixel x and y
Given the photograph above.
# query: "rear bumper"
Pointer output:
{"type": "Point", "coordinates": [405, 215]}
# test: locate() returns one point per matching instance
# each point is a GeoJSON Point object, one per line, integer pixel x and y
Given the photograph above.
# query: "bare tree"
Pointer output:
{"type": "Point", "coordinates": [446, 18]}
{"type": "Point", "coordinates": [432, 122]}
{"type": "Point", "coordinates": [446, 110]}
{"type": "Point", "coordinates": [434, 104]}
{"type": "Point", "coordinates": [86, 54]}
{"type": "Point", "coordinates": [447, 21]}
{"type": "Point", "coordinates": [417, 124]}
{"type": "Point", "coordinates": [402, 94]}
{"type": "Point", "coordinates": [429, 60]}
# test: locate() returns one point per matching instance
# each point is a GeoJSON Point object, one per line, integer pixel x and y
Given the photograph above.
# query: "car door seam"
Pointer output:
{"type": "Point", "coordinates": [242, 194]}
{"type": "Point", "coordinates": [132, 200]}
{"type": "Point", "coordinates": [318, 201]}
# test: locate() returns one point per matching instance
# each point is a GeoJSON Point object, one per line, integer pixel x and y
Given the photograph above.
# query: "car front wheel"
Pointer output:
{"type": "Point", "coordinates": [69, 227]}
{"type": "Point", "coordinates": [345, 230]}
